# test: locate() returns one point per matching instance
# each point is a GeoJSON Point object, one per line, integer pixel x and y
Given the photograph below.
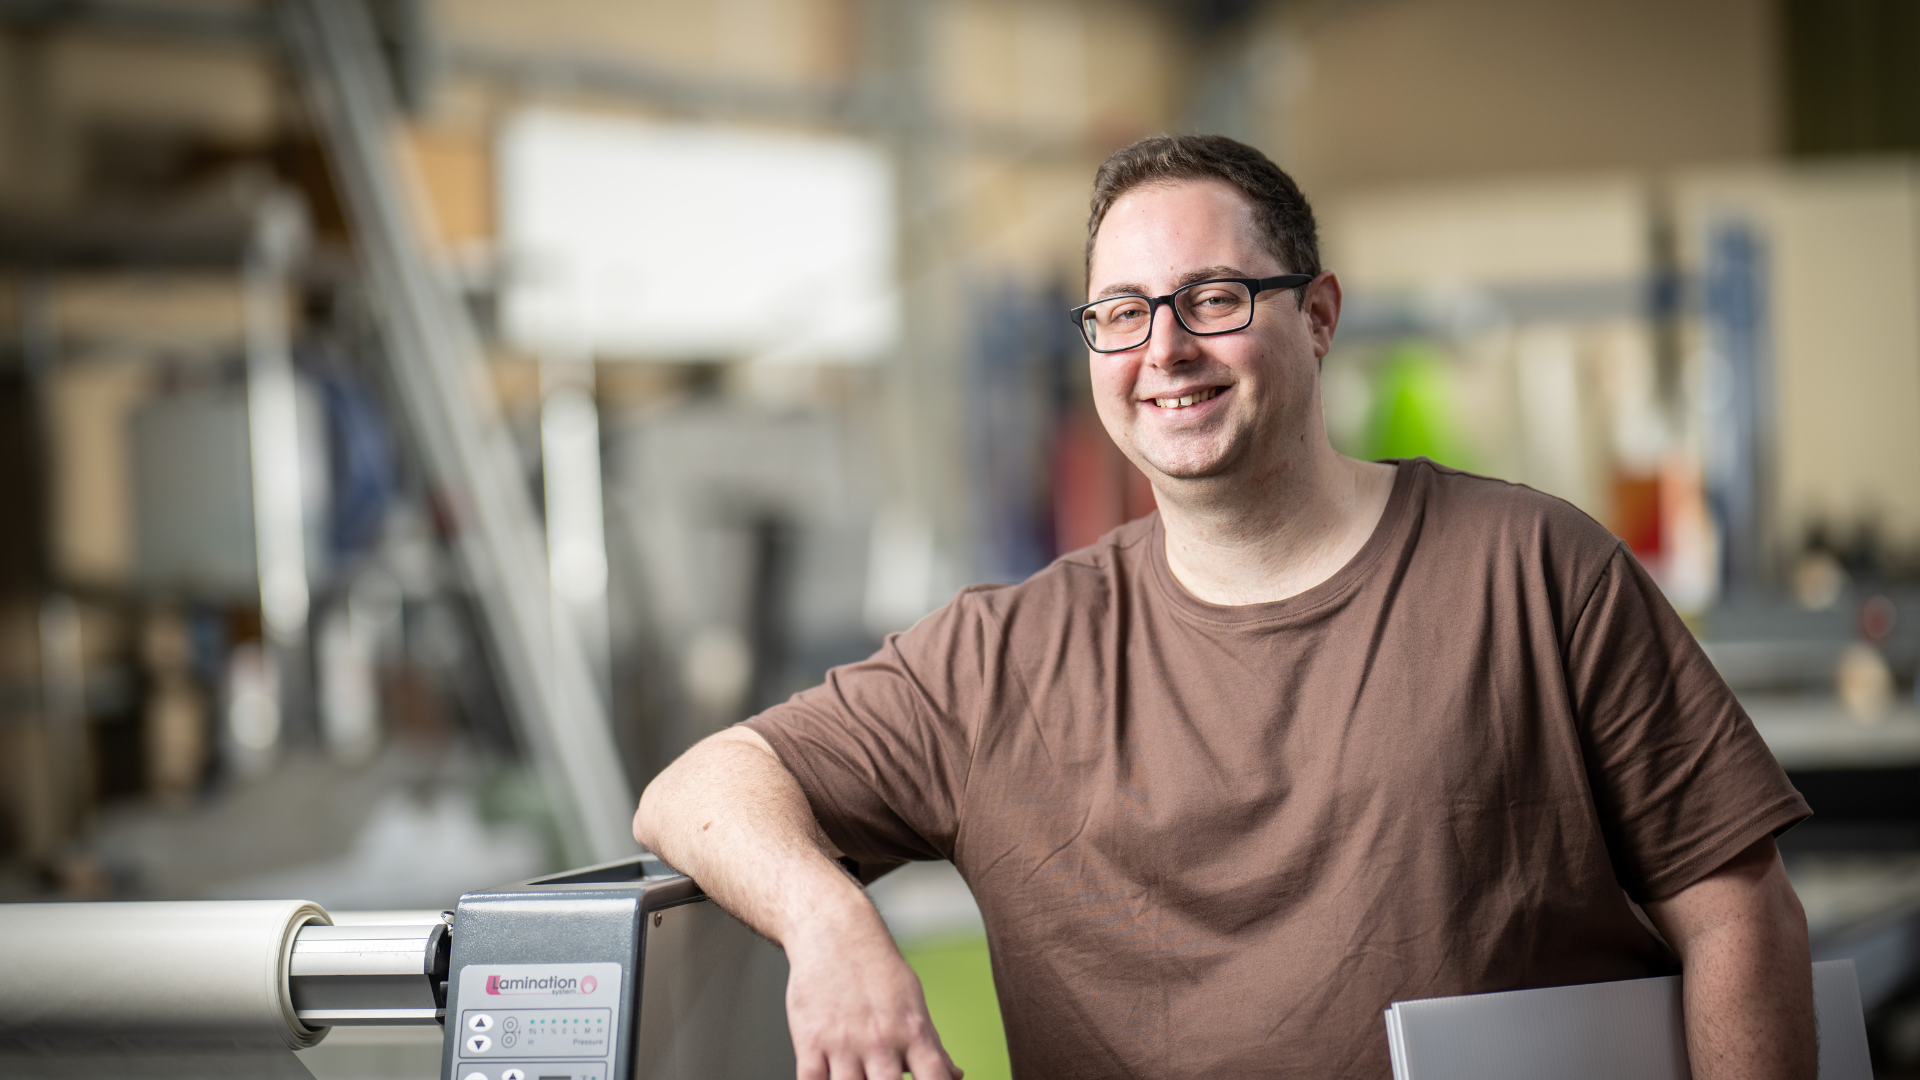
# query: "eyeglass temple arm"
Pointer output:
{"type": "Point", "coordinates": [1286, 281]}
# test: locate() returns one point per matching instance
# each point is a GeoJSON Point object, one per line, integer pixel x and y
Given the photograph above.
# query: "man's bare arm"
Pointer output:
{"type": "Point", "coordinates": [730, 815]}
{"type": "Point", "coordinates": [1746, 973]}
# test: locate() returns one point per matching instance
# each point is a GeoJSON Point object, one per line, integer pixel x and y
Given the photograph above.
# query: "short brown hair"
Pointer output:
{"type": "Point", "coordinates": [1285, 220]}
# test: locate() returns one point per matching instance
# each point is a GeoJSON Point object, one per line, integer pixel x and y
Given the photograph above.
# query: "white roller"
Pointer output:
{"type": "Point", "coordinates": [214, 969]}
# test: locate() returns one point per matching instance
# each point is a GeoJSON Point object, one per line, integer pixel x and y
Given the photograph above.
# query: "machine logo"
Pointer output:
{"type": "Point", "coordinates": [503, 985]}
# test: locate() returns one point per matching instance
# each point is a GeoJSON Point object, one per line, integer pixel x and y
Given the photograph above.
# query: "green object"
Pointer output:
{"type": "Point", "coordinates": [958, 980]}
{"type": "Point", "coordinates": [1416, 410]}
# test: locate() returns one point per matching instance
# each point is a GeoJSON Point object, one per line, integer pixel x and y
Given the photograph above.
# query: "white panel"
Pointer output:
{"type": "Point", "coordinates": [676, 242]}
{"type": "Point", "coordinates": [1595, 1031]}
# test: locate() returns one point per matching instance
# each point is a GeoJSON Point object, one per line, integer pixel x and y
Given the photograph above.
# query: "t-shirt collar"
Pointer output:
{"type": "Point", "coordinates": [1386, 534]}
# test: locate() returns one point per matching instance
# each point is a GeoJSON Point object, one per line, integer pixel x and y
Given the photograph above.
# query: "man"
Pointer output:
{"type": "Point", "coordinates": [1319, 735]}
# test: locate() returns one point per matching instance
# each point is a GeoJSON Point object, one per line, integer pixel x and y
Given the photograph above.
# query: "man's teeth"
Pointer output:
{"type": "Point", "coordinates": [1190, 399]}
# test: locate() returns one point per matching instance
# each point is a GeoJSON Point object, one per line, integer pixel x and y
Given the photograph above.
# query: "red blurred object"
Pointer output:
{"type": "Point", "coordinates": [1878, 618]}
{"type": "Point", "coordinates": [1636, 513]}
{"type": "Point", "coordinates": [1095, 487]}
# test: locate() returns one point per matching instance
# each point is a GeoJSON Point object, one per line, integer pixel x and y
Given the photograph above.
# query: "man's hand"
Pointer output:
{"type": "Point", "coordinates": [1746, 973]}
{"type": "Point", "coordinates": [856, 1012]}
{"type": "Point", "coordinates": [729, 815]}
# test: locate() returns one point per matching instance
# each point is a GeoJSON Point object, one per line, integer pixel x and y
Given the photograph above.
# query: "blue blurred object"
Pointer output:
{"type": "Point", "coordinates": [1015, 382]}
{"type": "Point", "coordinates": [361, 462]}
{"type": "Point", "coordinates": [1739, 397]}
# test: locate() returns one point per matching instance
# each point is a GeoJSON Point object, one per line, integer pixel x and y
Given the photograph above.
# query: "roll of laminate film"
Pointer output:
{"type": "Point", "coordinates": [185, 970]}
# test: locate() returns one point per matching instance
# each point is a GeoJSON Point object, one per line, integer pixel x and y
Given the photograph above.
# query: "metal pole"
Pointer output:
{"type": "Point", "coordinates": [439, 372]}
{"type": "Point", "coordinates": [576, 517]}
{"type": "Point", "coordinates": [279, 511]}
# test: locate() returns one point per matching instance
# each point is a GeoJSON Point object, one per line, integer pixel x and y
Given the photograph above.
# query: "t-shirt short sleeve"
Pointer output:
{"type": "Point", "coordinates": [881, 748]}
{"type": "Point", "coordinates": [1680, 778]}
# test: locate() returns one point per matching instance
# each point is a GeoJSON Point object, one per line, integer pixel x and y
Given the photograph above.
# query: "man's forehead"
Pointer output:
{"type": "Point", "coordinates": [1163, 230]}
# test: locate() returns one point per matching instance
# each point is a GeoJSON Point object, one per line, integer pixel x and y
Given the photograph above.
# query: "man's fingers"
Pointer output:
{"type": "Point", "coordinates": [884, 1066]}
{"type": "Point", "coordinates": [811, 1066]}
{"type": "Point", "coordinates": [846, 1066]}
{"type": "Point", "coordinates": [929, 1061]}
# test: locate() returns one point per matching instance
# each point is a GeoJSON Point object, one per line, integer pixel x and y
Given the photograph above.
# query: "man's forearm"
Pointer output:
{"type": "Point", "coordinates": [731, 817]}
{"type": "Point", "coordinates": [1749, 1009]}
{"type": "Point", "coordinates": [1746, 973]}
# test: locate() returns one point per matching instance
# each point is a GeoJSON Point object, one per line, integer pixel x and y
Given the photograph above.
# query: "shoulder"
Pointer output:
{"type": "Point", "coordinates": [1087, 573]}
{"type": "Point", "coordinates": [1468, 518]}
{"type": "Point", "coordinates": [1086, 582]}
{"type": "Point", "coordinates": [1503, 509]}
{"type": "Point", "coordinates": [1122, 550]}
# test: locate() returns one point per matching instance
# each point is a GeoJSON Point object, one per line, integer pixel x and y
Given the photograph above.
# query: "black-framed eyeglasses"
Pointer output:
{"type": "Point", "coordinates": [1221, 306]}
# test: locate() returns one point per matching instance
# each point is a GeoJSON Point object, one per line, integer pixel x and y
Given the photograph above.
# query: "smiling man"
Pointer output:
{"type": "Point", "coordinates": [1318, 735]}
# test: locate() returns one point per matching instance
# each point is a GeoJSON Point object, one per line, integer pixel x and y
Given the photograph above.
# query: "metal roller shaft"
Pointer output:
{"type": "Point", "coordinates": [365, 975]}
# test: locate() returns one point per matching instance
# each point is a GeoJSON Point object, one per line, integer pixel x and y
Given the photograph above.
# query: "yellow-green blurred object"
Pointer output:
{"type": "Point", "coordinates": [958, 979]}
{"type": "Point", "coordinates": [1415, 412]}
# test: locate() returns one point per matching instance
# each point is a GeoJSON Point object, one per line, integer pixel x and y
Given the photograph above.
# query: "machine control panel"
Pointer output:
{"type": "Point", "coordinates": [542, 1032]}
{"type": "Point", "coordinates": [525, 1021]}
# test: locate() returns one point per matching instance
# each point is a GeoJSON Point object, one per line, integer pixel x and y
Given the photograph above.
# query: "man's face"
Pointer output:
{"type": "Point", "coordinates": [1250, 389]}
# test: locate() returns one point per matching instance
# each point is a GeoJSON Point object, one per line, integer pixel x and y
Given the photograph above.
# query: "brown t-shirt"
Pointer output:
{"type": "Point", "coordinates": [1217, 841]}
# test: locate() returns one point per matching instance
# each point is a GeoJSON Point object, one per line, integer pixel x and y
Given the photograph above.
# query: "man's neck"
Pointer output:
{"type": "Point", "coordinates": [1275, 533]}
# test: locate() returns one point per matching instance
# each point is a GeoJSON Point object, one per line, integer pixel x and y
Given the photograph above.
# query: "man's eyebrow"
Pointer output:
{"type": "Point", "coordinates": [1211, 273]}
{"type": "Point", "coordinates": [1205, 273]}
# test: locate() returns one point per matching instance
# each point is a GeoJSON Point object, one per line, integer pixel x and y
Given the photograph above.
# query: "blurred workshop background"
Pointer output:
{"type": "Point", "coordinates": [422, 419]}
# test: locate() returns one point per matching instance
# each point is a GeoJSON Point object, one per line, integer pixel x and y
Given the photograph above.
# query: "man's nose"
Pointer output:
{"type": "Point", "coordinates": [1169, 343]}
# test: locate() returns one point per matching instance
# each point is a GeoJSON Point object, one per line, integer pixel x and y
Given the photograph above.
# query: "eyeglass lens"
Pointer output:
{"type": "Point", "coordinates": [1208, 307]}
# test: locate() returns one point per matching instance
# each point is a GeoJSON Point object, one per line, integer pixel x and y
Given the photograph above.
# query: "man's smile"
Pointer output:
{"type": "Point", "coordinates": [1186, 399]}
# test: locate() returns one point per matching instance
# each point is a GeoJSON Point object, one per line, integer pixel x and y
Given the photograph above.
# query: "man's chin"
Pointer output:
{"type": "Point", "coordinates": [1191, 472]}
{"type": "Point", "coordinates": [1190, 466]}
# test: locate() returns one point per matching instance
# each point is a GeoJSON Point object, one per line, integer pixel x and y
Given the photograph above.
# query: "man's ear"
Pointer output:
{"type": "Point", "coordinates": [1322, 307]}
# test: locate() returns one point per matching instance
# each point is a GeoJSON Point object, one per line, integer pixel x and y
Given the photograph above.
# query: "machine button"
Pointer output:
{"type": "Point", "coordinates": [475, 1076]}
{"type": "Point", "coordinates": [480, 1021]}
{"type": "Point", "coordinates": [479, 1044]}
{"type": "Point", "coordinates": [513, 1074]}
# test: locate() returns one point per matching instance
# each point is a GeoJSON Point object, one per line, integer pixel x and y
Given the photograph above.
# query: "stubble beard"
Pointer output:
{"type": "Point", "coordinates": [1220, 453]}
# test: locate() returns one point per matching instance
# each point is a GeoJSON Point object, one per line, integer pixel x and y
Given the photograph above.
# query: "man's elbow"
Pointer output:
{"type": "Point", "coordinates": [712, 759]}
{"type": "Point", "coordinates": [1746, 911]}
{"type": "Point", "coordinates": [1775, 907]}
{"type": "Point", "coordinates": [650, 817]}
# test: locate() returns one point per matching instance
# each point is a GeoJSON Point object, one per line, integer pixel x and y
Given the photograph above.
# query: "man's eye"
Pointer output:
{"type": "Point", "coordinates": [1121, 313]}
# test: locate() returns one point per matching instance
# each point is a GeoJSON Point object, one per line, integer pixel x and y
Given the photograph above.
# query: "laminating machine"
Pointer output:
{"type": "Point", "coordinates": [626, 970]}
{"type": "Point", "coordinates": [619, 971]}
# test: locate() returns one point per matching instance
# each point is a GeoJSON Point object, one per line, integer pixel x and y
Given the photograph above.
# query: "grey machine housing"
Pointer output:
{"type": "Point", "coordinates": [693, 992]}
